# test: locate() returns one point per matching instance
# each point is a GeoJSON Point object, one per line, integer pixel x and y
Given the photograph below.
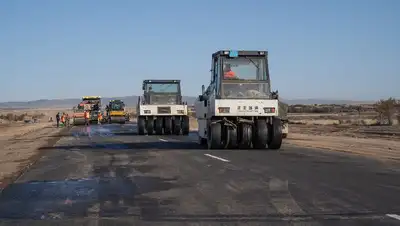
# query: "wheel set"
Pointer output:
{"type": "Point", "coordinates": [261, 134]}
{"type": "Point", "coordinates": [163, 125]}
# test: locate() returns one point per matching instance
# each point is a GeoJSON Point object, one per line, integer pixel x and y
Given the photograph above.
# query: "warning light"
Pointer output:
{"type": "Point", "coordinates": [233, 53]}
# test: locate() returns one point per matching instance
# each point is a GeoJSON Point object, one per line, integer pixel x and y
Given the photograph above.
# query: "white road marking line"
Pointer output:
{"type": "Point", "coordinates": [163, 140]}
{"type": "Point", "coordinates": [216, 157]}
{"type": "Point", "coordinates": [395, 216]}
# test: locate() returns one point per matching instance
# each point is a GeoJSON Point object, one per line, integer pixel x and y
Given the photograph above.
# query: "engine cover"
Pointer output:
{"type": "Point", "coordinates": [240, 107]}
{"type": "Point", "coordinates": [162, 110]}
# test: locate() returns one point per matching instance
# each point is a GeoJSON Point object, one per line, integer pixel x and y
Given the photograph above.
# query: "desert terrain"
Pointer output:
{"type": "Point", "coordinates": [360, 129]}
{"type": "Point", "coordinates": [24, 131]}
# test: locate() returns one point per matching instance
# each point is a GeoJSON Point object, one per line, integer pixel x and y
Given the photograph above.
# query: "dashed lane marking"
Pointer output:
{"type": "Point", "coordinates": [216, 157]}
{"type": "Point", "coordinates": [395, 216]}
{"type": "Point", "coordinates": [163, 140]}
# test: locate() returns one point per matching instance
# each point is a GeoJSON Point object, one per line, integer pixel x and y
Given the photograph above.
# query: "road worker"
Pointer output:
{"type": "Point", "coordinates": [228, 73]}
{"type": "Point", "coordinates": [63, 118]}
{"type": "Point", "coordinates": [99, 118]}
{"type": "Point", "coordinates": [86, 115]}
{"type": "Point", "coordinates": [58, 119]}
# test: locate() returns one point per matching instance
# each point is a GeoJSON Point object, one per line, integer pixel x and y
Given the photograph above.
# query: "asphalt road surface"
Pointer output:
{"type": "Point", "coordinates": [116, 177]}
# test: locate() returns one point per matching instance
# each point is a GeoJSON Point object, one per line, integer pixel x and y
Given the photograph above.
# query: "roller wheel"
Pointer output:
{"type": "Point", "coordinates": [167, 125]}
{"type": "Point", "coordinates": [232, 137]}
{"type": "Point", "coordinates": [275, 134]}
{"type": "Point", "coordinates": [177, 126]}
{"type": "Point", "coordinates": [245, 135]}
{"type": "Point", "coordinates": [159, 125]}
{"type": "Point", "coordinates": [150, 126]}
{"type": "Point", "coordinates": [214, 136]}
{"type": "Point", "coordinates": [141, 125]}
{"type": "Point", "coordinates": [185, 125]}
{"type": "Point", "coordinates": [260, 138]}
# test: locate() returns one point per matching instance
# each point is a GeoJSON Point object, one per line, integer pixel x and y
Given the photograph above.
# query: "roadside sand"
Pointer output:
{"type": "Point", "coordinates": [19, 129]}
{"type": "Point", "coordinates": [373, 147]}
{"type": "Point", "coordinates": [378, 148]}
{"type": "Point", "coordinates": [19, 146]}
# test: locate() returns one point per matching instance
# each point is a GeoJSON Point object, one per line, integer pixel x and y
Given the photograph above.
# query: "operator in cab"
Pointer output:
{"type": "Point", "coordinates": [228, 73]}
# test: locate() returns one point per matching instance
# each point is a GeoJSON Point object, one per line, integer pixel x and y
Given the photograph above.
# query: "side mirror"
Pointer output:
{"type": "Point", "coordinates": [143, 87]}
{"type": "Point", "coordinates": [202, 88]}
{"type": "Point", "coordinates": [200, 97]}
{"type": "Point", "coordinates": [275, 95]}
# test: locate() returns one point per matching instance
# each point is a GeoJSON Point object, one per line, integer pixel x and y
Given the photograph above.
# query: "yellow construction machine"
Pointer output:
{"type": "Point", "coordinates": [115, 112]}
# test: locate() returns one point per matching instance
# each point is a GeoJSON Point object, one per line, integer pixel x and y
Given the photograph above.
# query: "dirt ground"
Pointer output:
{"type": "Point", "coordinates": [20, 141]}
{"type": "Point", "coordinates": [381, 142]}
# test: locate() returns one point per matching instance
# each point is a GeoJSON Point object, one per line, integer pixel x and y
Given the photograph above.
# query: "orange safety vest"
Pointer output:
{"type": "Point", "coordinates": [86, 115]}
{"type": "Point", "coordinates": [100, 116]}
{"type": "Point", "coordinates": [229, 74]}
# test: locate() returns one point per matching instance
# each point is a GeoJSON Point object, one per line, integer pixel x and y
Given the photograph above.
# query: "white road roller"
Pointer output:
{"type": "Point", "coordinates": [161, 110]}
{"type": "Point", "coordinates": [238, 109]}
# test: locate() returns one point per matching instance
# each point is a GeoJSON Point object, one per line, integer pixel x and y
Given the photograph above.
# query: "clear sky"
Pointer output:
{"type": "Point", "coordinates": [335, 49]}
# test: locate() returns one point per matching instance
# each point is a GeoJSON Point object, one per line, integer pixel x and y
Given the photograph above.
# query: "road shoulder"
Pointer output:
{"type": "Point", "coordinates": [18, 153]}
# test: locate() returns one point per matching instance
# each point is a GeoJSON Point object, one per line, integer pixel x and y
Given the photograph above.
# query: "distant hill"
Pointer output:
{"type": "Point", "coordinates": [324, 101]}
{"type": "Point", "coordinates": [131, 101]}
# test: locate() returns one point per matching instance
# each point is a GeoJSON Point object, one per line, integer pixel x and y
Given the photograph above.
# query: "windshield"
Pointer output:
{"type": "Point", "coordinates": [246, 68]}
{"type": "Point", "coordinates": [245, 90]}
{"type": "Point", "coordinates": [91, 99]}
{"type": "Point", "coordinates": [117, 106]}
{"type": "Point", "coordinates": [163, 99]}
{"type": "Point", "coordinates": [162, 87]}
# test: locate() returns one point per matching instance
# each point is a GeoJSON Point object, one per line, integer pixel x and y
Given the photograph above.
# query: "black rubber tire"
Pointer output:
{"type": "Point", "coordinates": [202, 141]}
{"type": "Point", "coordinates": [260, 138]}
{"type": "Point", "coordinates": [185, 125]}
{"type": "Point", "coordinates": [150, 126]}
{"type": "Point", "coordinates": [177, 126]}
{"type": "Point", "coordinates": [233, 137]}
{"type": "Point", "coordinates": [167, 125]}
{"type": "Point", "coordinates": [246, 135]}
{"type": "Point", "coordinates": [159, 125]}
{"type": "Point", "coordinates": [215, 136]}
{"type": "Point", "coordinates": [141, 125]}
{"type": "Point", "coordinates": [275, 134]}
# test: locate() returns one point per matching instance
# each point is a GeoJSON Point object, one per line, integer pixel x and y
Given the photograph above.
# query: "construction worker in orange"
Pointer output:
{"type": "Point", "coordinates": [99, 118]}
{"type": "Point", "coordinates": [86, 115]}
{"type": "Point", "coordinates": [63, 119]}
{"type": "Point", "coordinates": [228, 73]}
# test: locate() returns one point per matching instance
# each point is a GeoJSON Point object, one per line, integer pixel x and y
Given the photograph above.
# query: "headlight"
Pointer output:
{"type": "Point", "coordinates": [224, 109]}
{"type": "Point", "coordinates": [269, 110]}
{"type": "Point", "coordinates": [147, 111]}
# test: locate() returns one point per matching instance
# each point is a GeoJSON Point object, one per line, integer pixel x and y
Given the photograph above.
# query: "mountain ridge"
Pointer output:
{"type": "Point", "coordinates": [132, 100]}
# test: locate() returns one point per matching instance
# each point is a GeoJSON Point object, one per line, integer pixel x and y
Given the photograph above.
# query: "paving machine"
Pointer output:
{"type": "Point", "coordinates": [161, 109]}
{"type": "Point", "coordinates": [88, 103]}
{"type": "Point", "coordinates": [238, 109]}
{"type": "Point", "coordinates": [115, 112]}
{"type": "Point", "coordinates": [78, 117]}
